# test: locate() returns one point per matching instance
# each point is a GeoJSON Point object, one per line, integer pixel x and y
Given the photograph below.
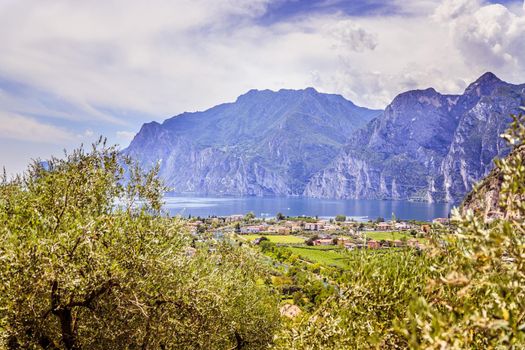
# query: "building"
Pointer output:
{"type": "Point", "coordinates": [383, 226]}
{"type": "Point", "coordinates": [397, 243]}
{"type": "Point", "coordinates": [313, 226]}
{"type": "Point", "coordinates": [343, 241]}
{"type": "Point", "coordinates": [373, 244]}
{"type": "Point", "coordinates": [350, 245]}
{"type": "Point", "coordinates": [402, 226]}
{"type": "Point", "coordinates": [283, 230]}
{"type": "Point", "coordinates": [234, 218]}
{"type": "Point", "coordinates": [272, 228]}
{"type": "Point", "coordinates": [296, 228]}
{"type": "Point", "coordinates": [324, 241]}
{"type": "Point", "coordinates": [330, 227]}
{"type": "Point", "coordinates": [441, 221]}
{"type": "Point", "coordinates": [250, 229]}
{"type": "Point", "coordinates": [349, 224]}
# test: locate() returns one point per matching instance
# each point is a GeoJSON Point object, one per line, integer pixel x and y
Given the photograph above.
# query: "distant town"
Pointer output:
{"type": "Point", "coordinates": [340, 231]}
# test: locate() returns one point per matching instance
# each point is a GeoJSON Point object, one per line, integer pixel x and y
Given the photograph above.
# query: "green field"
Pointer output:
{"type": "Point", "coordinates": [325, 247]}
{"type": "Point", "coordinates": [322, 256]}
{"type": "Point", "coordinates": [387, 236]}
{"type": "Point", "coordinates": [282, 239]}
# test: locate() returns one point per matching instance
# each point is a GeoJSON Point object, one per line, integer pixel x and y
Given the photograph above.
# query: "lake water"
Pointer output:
{"type": "Point", "coordinates": [295, 206]}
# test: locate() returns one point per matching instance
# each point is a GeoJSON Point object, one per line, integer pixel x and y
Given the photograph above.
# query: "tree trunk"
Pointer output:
{"type": "Point", "coordinates": [66, 324]}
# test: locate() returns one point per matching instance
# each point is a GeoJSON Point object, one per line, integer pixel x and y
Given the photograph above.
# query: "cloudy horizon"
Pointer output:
{"type": "Point", "coordinates": [70, 71]}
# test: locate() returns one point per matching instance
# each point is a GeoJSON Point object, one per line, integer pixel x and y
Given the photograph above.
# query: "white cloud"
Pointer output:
{"type": "Point", "coordinates": [489, 36]}
{"type": "Point", "coordinates": [18, 127]}
{"type": "Point", "coordinates": [452, 9]}
{"type": "Point", "coordinates": [130, 55]}
{"type": "Point", "coordinates": [125, 137]}
{"type": "Point", "coordinates": [87, 134]}
{"type": "Point", "coordinates": [352, 37]}
{"type": "Point", "coordinates": [445, 46]}
{"type": "Point", "coordinates": [114, 64]}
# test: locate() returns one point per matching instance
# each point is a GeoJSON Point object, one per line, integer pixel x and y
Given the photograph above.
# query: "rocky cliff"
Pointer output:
{"type": "Point", "coordinates": [265, 143]}
{"type": "Point", "coordinates": [425, 146]}
{"type": "Point", "coordinates": [484, 199]}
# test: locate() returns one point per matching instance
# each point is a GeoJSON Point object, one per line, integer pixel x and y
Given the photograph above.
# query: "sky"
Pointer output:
{"type": "Point", "coordinates": [71, 71]}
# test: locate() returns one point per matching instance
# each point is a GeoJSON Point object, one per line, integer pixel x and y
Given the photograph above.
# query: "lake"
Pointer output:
{"type": "Point", "coordinates": [360, 209]}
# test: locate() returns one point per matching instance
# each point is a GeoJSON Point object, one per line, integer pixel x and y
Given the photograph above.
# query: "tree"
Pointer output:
{"type": "Point", "coordinates": [88, 261]}
{"type": "Point", "coordinates": [340, 218]}
{"type": "Point", "coordinates": [279, 216]}
{"type": "Point", "coordinates": [476, 295]}
{"type": "Point", "coordinates": [201, 228]}
{"type": "Point", "coordinates": [249, 216]}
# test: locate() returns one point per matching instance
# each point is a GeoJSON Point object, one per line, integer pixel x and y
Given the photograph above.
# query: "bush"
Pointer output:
{"type": "Point", "coordinates": [340, 218]}
{"type": "Point", "coordinates": [373, 295]}
{"type": "Point", "coordinates": [310, 241]}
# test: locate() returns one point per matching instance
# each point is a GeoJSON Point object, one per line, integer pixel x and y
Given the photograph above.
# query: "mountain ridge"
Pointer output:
{"type": "Point", "coordinates": [403, 160]}
{"type": "Point", "coordinates": [266, 142]}
{"type": "Point", "coordinates": [424, 146]}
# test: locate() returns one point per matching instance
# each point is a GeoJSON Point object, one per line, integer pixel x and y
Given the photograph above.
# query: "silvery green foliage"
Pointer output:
{"type": "Point", "coordinates": [476, 297]}
{"type": "Point", "coordinates": [76, 272]}
{"type": "Point", "coordinates": [466, 291]}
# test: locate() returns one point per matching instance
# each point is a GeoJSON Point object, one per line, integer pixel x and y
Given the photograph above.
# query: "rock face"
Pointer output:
{"type": "Point", "coordinates": [265, 143]}
{"type": "Point", "coordinates": [425, 146]}
{"type": "Point", "coordinates": [484, 199]}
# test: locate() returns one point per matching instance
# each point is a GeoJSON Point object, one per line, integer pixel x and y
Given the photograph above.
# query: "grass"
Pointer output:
{"type": "Point", "coordinates": [325, 247]}
{"type": "Point", "coordinates": [278, 239]}
{"type": "Point", "coordinates": [387, 236]}
{"type": "Point", "coordinates": [322, 256]}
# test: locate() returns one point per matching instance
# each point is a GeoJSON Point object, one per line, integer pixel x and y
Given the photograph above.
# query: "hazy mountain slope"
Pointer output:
{"type": "Point", "coordinates": [264, 143]}
{"type": "Point", "coordinates": [424, 146]}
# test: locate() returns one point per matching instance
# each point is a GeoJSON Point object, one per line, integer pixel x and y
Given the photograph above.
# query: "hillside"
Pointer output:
{"type": "Point", "coordinates": [264, 143]}
{"type": "Point", "coordinates": [484, 199]}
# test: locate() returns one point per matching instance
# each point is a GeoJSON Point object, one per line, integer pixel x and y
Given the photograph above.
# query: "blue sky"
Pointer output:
{"type": "Point", "coordinates": [283, 10]}
{"type": "Point", "coordinates": [70, 71]}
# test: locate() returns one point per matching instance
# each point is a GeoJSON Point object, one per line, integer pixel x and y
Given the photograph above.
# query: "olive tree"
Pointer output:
{"type": "Point", "coordinates": [88, 260]}
{"type": "Point", "coordinates": [476, 296]}
{"type": "Point", "coordinates": [467, 291]}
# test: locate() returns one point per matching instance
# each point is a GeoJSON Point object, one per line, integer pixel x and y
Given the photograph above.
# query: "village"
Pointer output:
{"type": "Point", "coordinates": [338, 231]}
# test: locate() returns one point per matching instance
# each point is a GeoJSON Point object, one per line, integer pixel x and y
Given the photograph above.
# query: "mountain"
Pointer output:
{"type": "Point", "coordinates": [425, 145]}
{"type": "Point", "coordinates": [484, 199]}
{"type": "Point", "coordinates": [264, 143]}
